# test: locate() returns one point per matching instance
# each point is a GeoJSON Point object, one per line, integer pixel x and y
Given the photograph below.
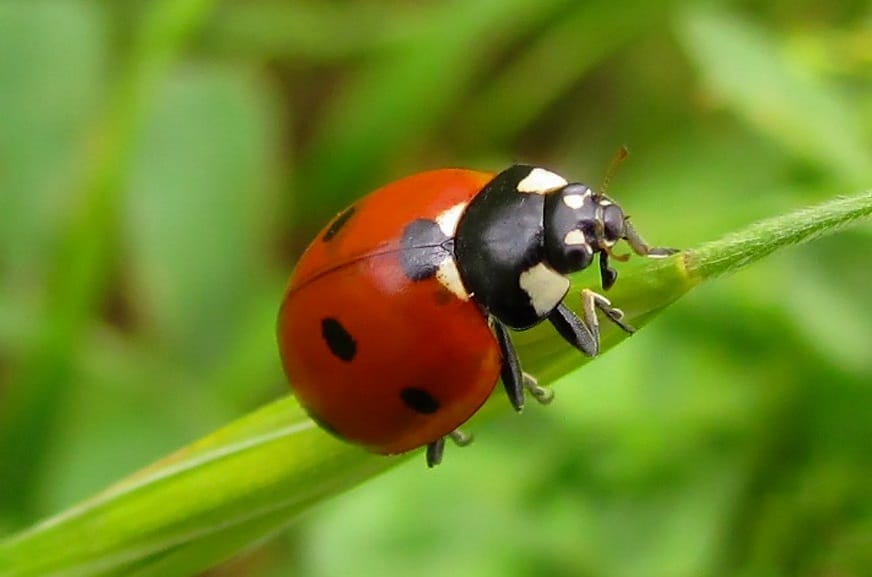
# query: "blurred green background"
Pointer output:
{"type": "Point", "coordinates": [159, 176]}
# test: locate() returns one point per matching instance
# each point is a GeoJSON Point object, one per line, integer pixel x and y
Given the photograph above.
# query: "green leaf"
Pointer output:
{"type": "Point", "coordinates": [749, 70]}
{"type": "Point", "coordinates": [242, 483]}
{"type": "Point", "coordinates": [542, 74]}
{"type": "Point", "coordinates": [419, 81]}
{"type": "Point", "coordinates": [81, 254]}
{"type": "Point", "coordinates": [42, 46]}
{"type": "Point", "coordinates": [197, 206]}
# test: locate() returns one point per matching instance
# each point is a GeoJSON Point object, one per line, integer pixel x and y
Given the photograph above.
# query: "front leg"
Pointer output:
{"type": "Point", "coordinates": [608, 275]}
{"type": "Point", "coordinates": [584, 333]}
{"type": "Point", "coordinates": [640, 247]}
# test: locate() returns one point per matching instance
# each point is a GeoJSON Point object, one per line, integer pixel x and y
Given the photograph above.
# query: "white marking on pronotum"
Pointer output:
{"type": "Point", "coordinates": [541, 181]}
{"type": "Point", "coordinates": [545, 287]}
{"type": "Point", "coordinates": [575, 201]}
{"type": "Point", "coordinates": [449, 218]}
{"type": "Point", "coordinates": [449, 277]}
{"type": "Point", "coordinates": [576, 237]}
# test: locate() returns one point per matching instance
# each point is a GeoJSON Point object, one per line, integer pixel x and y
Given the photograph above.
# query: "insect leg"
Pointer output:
{"type": "Point", "coordinates": [593, 301]}
{"type": "Point", "coordinates": [640, 247]}
{"type": "Point", "coordinates": [511, 374]}
{"type": "Point", "coordinates": [583, 335]}
{"type": "Point", "coordinates": [460, 438]}
{"type": "Point", "coordinates": [436, 449]}
{"type": "Point", "coordinates": [434, 452]}
{"type": "Point", "coordinates": [608, 275]}
{"type": "Point", "coordinates": [541, 394]}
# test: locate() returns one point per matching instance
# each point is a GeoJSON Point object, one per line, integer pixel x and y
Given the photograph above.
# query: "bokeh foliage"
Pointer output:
{"type": "Point", "coordinates": [161, 165]}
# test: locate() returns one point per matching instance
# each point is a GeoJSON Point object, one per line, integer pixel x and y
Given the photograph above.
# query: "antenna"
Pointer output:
{"type": "Point", "coordinates": [618, 159]}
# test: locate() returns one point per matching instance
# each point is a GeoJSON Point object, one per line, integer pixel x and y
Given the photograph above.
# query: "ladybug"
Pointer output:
{"type": "Point", "coordinates": [395, 326]}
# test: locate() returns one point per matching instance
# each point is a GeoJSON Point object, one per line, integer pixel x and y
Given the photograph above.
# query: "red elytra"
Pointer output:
{"type": "Point", "coordinates": [417, 361]}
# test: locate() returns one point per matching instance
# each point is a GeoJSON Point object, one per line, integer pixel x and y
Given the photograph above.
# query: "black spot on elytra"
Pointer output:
{"type": "Point", "coordinates": [425, 247]}
{"type": "Point", "coordinates": [338, 223]}
{"type": "Point", "coordinates": [419, 400]}
{"type": "Point", "coordinates": [338, 339]}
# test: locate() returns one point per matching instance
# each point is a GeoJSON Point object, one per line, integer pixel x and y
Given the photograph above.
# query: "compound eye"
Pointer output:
{"type": "Point", "coordinates": [578, 257]}
{"type": "Point", "coordinates": [567, 259]}
{"type": "Point", "coordinates": [613, 223]}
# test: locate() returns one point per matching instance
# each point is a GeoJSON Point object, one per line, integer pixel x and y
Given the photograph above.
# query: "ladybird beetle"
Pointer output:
{"type": "Point", "coordinates": [394, 328]}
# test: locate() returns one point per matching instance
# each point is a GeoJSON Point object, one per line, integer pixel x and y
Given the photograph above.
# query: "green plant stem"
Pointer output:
{"type": "Point", "coordinates": [738, 250]}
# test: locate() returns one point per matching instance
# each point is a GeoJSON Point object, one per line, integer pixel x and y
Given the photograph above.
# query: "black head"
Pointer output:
{"type": "Point", "coordinates": [580, 223]}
